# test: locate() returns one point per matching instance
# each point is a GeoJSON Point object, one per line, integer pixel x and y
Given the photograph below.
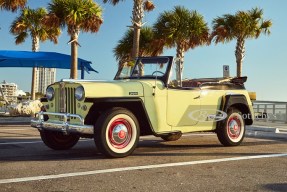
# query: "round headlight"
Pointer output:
{"type": "Point", "coordinates": [80, 93]}
{"type": "Point", "coordinates": [50, 93]}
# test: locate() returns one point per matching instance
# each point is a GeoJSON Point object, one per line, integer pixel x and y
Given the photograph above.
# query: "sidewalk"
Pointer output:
{"type": "Point", "coordinates": [7, 120]}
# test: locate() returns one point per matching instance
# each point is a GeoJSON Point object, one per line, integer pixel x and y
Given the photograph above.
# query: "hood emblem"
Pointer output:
{"type": "Point", "coordinates": [133, 93]}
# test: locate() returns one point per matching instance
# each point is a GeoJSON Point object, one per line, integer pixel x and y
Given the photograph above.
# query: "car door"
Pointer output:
{"type": "Point", "coordinates": [181, 105]}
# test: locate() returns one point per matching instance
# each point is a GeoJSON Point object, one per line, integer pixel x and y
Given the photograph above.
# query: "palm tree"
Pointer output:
{"type": "Point", "coordinates": [183, 29]}
{"type": "Point", "coordinates": [29, 23]}
{"type": "Point", "coordinates": [241, 26]}
{"type": "Point", "coordinates": [76, 15]}
{"type": "Point", "coordinates": [12, 5]}
{"type": "Point", "coordinates": [123, 50]}
{"type": "Point", "coordinates": [138, 14]}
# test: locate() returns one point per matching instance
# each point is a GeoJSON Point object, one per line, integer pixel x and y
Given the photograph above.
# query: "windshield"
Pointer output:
{"type": "Point", "coordinates": [144, 68]}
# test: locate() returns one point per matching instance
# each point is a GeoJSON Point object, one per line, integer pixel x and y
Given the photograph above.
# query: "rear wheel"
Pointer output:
{"type": "Point", "coordinates": [58, 140]}
{"type": "Point", "coordinates": [232, 131]}
{"type": "Point", "coordinates": [116, 132]}
{"type": "Point", "coordinates": [172, 136]}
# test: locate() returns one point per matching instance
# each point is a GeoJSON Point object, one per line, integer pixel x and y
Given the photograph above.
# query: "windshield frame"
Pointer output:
{"type": "Point", "coordinates": [163, 78]}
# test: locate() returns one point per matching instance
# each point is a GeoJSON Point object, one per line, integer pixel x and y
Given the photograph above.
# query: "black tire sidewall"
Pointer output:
{"type": "Point", "coordinates": [51, 139]}
{"type": "Point", "coordinates": [100, 132]}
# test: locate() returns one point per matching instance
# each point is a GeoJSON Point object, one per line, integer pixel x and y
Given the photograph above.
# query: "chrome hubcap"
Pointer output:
{"type": "Point", "coordinates": [234, 128]}
{"type": "Point", "coordinates": [120, 133]}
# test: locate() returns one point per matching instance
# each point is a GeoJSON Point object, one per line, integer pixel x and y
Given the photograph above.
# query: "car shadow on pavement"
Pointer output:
{"type": "Point", "coordinates": [177, 148]}
{"type": "Point", "coordinates": [204, 144]}
{"type": "Point", "coordinates": [20, 149]}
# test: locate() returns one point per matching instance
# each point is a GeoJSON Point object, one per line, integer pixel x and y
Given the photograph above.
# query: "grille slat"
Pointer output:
{"type": "Point", "coordinates": [57, 100]}
{"type": "Point", "coordinates": [74, 101]}
{"type": "Point", "coordinates": [67, 91]}
{"type": "Point", "coordinates": [70, 100]}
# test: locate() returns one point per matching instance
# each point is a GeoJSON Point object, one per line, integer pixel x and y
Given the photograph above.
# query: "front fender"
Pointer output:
{"type": "Point", "coordinates": [135, 105]}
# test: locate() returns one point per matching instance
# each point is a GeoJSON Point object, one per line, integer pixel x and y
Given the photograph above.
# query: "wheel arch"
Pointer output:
{"type": "Point", "coordinates": [239, 102]}
{"type": "Point", "coordinates": [135, 105]}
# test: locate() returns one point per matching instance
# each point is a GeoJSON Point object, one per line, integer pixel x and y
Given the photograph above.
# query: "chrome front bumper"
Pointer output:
{"type": "Point", "coordinates": [62, 126]}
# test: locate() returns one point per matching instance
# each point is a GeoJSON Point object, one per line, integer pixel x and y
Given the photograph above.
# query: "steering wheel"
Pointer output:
{"type": "Point", "coordinates": [157, 72]}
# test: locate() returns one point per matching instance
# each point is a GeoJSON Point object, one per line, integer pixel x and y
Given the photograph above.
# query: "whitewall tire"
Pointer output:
{"type": "Point", "coordinates": [116, 132]}
{"type": "Point", "coordinates": [231, 132]}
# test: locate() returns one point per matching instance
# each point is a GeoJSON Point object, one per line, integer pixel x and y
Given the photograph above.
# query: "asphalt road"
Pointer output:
{"type": "Point", "coordinates": [196, 162]}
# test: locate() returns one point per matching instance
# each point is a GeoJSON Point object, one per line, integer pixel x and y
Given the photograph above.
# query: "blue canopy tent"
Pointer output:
{"type": "Point", "coordinates": [42, 59]}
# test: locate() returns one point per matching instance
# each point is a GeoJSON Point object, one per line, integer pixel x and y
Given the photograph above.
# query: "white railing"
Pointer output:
{"type": "Point", "coordinates": [271, 110]}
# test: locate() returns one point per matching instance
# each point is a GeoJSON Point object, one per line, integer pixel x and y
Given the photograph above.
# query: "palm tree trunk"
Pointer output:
{"type": "Point", "coordinates": [240, 54]}
{"type": "Point", "coordinates": [138, 14]}
{"type": "Point", "coordinates": [35, 48]}
{"type": "Point", "coordinates": [136, 42]}
{"type": "Point", "coordinates": [33, 91]}
{"type": "Point", "coordinates": [179, 63]}
{"type": "Point", "coordinates": [74, 53]}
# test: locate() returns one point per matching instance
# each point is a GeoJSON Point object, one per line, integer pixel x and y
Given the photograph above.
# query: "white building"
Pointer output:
{"type": "Point", "coordinates": [44, 77]}
{"type": "Point", "coordinates": [20, 93]}
{"type": "Point", "coordinates": [9, 91]}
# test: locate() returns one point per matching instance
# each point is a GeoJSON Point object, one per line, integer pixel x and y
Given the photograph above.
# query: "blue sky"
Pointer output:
{"type": "Point", "coordinates": [265, 63]}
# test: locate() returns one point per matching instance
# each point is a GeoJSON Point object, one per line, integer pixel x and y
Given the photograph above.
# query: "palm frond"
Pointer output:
{"type": "Point", "coordinates": [30, 22]}
{"type": "Point", "coordinates": [12, 5]}
{"type": "Point", "coordinates": [223, 29]}
{"type": "Point", "coordinates": [265, 26]}
{"type": "Point", "coordinates": [20, 38]}
{"type": "Point", "coordinates": [181, 26]}
{"type": "Point", "coordinates": [148, 5]}
{"type": "Point", "coordinates": [255, 13]}
{"type": "Point", "coordinates": [83, 14]}
{"type": "Point", "coordinates": [149, 46]}
{"type": "Point", "coordinates": [113, 2]}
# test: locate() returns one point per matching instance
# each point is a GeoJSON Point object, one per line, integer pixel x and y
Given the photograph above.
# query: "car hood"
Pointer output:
{"type": "Point", "coordinates": [116, 88]}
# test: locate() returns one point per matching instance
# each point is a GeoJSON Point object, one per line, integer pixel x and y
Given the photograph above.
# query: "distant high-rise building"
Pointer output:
{"type": "Point", "coordinates": [44, 77]}
{"type": "Point", "coordinates": [9, 91]}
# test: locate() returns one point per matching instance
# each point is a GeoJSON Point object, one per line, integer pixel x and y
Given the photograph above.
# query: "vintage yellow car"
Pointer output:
{"type": "Point", "coordinates": [143, 99]}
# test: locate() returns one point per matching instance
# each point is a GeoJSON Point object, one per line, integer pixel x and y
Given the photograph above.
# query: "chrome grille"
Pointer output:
{"type": "Point", "coordinates": [65, 101]}
{"type": "Point", "coordinates": [70, 100]}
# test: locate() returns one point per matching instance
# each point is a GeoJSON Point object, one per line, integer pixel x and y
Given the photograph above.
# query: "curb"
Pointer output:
{"type": "Point", "coordinates": [266, 132]}
{"type": "Point", "coordinates": [264, 129]}
{"type": "Point", "coordinates": [16, 120]}
{"type": "Point", "coordinates": [2, 124]}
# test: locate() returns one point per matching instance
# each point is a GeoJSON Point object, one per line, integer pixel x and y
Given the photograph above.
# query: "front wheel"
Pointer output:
{"type": "Point", "coordinates": [58, 140]}
{"type": "Point", "coordinates": [116, 132]}
{"type": "Point", "coordinates": [232, 131]}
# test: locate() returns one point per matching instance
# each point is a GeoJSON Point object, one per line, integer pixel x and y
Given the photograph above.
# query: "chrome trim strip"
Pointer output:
{"type": "Point", "coordinates": [62, 126]}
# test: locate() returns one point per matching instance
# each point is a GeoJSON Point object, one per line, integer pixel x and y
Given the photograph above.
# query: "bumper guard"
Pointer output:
{"type": "Point", "coordinates": [62, 126]}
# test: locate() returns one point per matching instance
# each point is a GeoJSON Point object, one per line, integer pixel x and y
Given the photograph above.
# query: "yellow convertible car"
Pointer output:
{"type": "Point", "coordinates": [144, 99]}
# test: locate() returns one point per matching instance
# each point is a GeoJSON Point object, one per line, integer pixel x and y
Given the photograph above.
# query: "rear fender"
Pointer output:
{"type": "Point", "coordinates": [239, 102]}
